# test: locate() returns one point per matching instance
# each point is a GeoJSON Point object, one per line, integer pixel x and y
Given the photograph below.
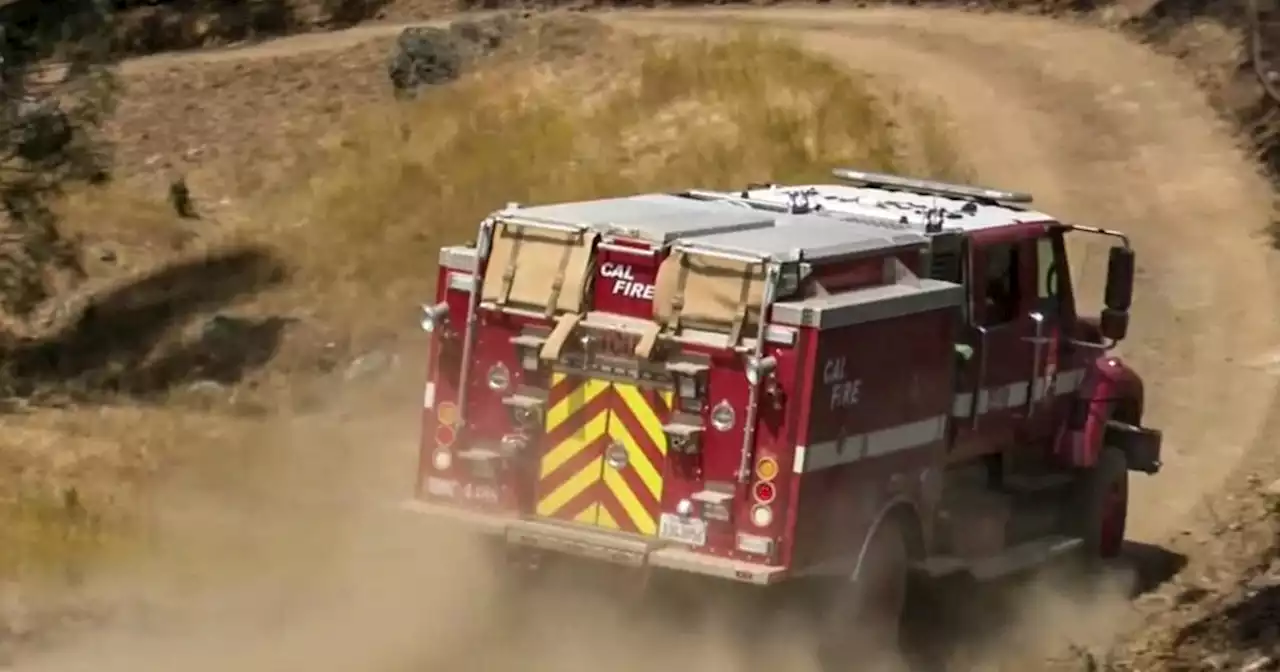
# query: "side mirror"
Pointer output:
{"type": "Point", "coordinates": [1114, 324]}
{"type": "Point", "coordinates": [1120, 265]}
{"type": "Point", "coordinates": [1119, 293]}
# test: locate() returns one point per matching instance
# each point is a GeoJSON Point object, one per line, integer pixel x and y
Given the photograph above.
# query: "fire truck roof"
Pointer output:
{"type": "Point", "coordinates": [656, 218]}
{"type": "Point", "coordinates": [721, 226]}
{"type": "Point", "coordinates": [897, 208]}
{"type": "Point", "coordinates": [789, 223]}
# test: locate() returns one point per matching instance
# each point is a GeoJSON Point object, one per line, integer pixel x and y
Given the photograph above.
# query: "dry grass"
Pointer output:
{"type": "Point", "coordinates": [365, 208]}
{"type": "Point", "coordinates": [401, 181]}
{"type": "Point", "coordinates": [67, 481]}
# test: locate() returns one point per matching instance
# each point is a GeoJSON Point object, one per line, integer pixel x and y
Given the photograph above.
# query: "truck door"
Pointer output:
{"type": "Point", "coordinates": [995, 378]}
{"type": "Point", "coordinates": [1054, 369]}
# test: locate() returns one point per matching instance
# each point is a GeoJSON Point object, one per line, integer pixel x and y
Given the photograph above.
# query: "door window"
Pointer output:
{"type": "Point", "coordinates": [1048, 276]}
{"type": "Point", "coordinates": [1003, 295]}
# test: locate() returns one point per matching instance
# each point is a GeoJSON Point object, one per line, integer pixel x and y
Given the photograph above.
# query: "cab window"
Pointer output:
{"type": "Point", "coordinates": [1049, 275]}
{"type": "Point", "coordinates": [1002, 291]}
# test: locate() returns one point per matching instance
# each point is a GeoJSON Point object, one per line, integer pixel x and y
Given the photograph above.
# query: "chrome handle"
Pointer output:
{"type": "Point", "coordinates": [1037, 354]}
{"type": "Point", "coordinates": [586, 341]}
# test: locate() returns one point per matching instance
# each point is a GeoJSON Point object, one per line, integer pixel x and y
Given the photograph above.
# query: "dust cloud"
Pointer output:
{"type": "Point", "coordinates": [1057, 612]}
{"type": "Point", "coordinates": [286, 550]}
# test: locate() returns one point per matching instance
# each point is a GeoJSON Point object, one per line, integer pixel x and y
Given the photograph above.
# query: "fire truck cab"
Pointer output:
{"type": "Point", "coordinates": [853, 380]}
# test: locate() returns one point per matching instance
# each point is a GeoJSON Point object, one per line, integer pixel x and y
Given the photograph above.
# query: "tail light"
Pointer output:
{"type": "Point", "coordinates": [761, 515]}
{"type": "Point", "coordinates": [445, 436]}
{"type": "Point", "coordinates": [764, 491]}
{"type": "Point", "coordinates": [766, 469]}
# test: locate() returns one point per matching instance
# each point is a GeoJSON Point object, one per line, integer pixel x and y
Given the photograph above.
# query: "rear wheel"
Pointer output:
{"type": "Point", "coordinates": [861, 624]}
{"type": "Point", "coordinates": [1102, 505]}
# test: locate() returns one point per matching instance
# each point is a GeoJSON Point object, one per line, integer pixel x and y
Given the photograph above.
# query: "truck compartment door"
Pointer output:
{"type": "Point", "coordinates": [604, 454]}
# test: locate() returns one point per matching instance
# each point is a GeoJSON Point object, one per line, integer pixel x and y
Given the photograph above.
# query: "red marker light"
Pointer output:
{"type": "Point", "coordinates": [764, 492]}
{"type": "Point", "coordinates": [444, 435]}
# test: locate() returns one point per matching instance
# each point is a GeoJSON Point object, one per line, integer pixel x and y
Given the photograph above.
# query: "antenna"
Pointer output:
{"type": "Point", "coordinates": [930, 186]}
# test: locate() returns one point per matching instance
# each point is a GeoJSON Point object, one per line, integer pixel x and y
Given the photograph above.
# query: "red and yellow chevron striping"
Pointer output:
{"type": "Point", "coordinates": [605, 453]}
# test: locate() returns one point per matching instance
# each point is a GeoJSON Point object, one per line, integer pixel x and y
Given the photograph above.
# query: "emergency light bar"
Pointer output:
{"type": "Point", "coordinates": [930, 186]}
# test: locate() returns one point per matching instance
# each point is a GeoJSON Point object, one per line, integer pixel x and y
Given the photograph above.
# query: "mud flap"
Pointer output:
{"type": "Point", "coordinates": [1141, 445]}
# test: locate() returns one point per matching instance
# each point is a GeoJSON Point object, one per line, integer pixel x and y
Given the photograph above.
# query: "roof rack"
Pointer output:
{"type": "Point", "coordinates": [930, 187]}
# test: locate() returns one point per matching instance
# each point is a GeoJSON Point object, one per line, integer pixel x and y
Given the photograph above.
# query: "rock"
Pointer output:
{"type": "Point", "coordinates": [1260, 664]}
{"type": "Point", "coordinates": [369, 364]}
{"type": "Point", "coordinates": [428, 56]}
{"type": "Point", "coordinates": [208, 387]}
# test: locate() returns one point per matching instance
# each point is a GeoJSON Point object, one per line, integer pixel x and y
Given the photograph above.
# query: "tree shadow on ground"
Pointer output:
{"type": "Point", "coordinates": [127, 340]}
{"type": "Point", "coordinates": [1247, 627]}
{"type": "Point", "coordinates": [1151, 566]}
{"type": "Point", "coordinates": [138, 27]}
{"type": "Point", "coordinates": [153, 27]}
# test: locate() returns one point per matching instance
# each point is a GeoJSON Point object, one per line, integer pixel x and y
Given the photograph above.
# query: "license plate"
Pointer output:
{"type": "Point", "coordinates": [674, 528]}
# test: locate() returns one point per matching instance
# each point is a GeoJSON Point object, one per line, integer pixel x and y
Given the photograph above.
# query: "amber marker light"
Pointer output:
{"type": "Point", "coordinates": [766, 469]}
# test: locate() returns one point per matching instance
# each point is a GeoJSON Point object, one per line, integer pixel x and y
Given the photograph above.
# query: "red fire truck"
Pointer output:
{"type": "Point", "coordinates": [856, 383]}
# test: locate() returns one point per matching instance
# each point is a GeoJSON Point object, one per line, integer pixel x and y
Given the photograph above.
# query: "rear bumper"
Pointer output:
{"type": "Point", "coordinates": [599, 546]}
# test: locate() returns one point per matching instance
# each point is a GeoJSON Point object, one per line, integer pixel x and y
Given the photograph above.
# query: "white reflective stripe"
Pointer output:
{"type": "Point", "coordinates": [1069, 381]}
{"type": "Point", "coordinates": [463, 282]}
{"type": "Point", "coordinates": [1012, 395]}
{"type": "Point", "coordinates": [921, 433]}
{"type": "Point", "coordinates": [878, 443]}
{"type": "Point", "coordinates": [429, 395]}
{"type": "Point", "coordinates": [797, 465]}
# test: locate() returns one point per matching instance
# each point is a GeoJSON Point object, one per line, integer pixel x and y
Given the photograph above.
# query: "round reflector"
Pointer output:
{"type": "Point", "coordinates": [766, 468]}
{"type": "Point", "coordinates": [764, 492]}
{"type": "Point", "coordinates": [444, 435]}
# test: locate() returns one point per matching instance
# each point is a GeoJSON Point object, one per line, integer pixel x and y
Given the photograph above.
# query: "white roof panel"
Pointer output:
{"type": "Point", "coordinates": [656, 218]}
{"type": "Point", "coordinates": [897, 209]}
{"type": "Point", "coordinates": [788, 223]}
{"type": "Point", "coordinates": [810, 237]}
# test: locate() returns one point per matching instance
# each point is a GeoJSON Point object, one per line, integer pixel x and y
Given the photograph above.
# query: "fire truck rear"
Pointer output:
{"type": "Point", "coordinates": [850, 382]}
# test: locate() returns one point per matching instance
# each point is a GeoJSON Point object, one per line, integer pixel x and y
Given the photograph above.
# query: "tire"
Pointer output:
{"type": "Point", "coordinates": [861, 623]}
{"type": "Point", "coordinates": [1102, 505]}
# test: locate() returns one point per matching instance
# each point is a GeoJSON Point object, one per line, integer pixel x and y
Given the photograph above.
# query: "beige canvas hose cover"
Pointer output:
{"type": "Point", "coordinates": [708, 292]}
{"type": "Point", "coordinates": [538, 268]}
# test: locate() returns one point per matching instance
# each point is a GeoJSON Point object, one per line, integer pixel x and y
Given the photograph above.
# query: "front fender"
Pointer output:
{"type": "Point", "coordinates": [1111, 391]}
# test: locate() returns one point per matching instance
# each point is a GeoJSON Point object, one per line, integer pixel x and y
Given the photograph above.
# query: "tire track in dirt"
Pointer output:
{"type": "Point", "coordinates": [1103, 132]}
